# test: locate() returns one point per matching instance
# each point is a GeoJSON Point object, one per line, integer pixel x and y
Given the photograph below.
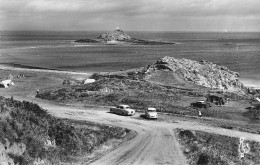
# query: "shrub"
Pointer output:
{"type": "Point", "coordinates": [18, 159]}
{"type": "Point", "coordinates": [187, 134]}
{"type": "Point", "coordinates": [203, 159]}
{"type": "Point", "coordinates": [206, 148]}
{"type": "Point", "coordinates": [31, 125]}
{"type": "Point", "coordinates": [253, 113]}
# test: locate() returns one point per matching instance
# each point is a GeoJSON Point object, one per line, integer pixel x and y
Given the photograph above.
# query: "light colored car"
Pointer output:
{"type": "Point", "coordinates": [151, 113]}
{"type": "Point", "coordinates": [122, 110]}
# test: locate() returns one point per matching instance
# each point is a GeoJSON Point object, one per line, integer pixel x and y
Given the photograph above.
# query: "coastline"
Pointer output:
{"type": "Point", "coordinates": [250, 83]}
{"type": "Point", "coordinates": [18, 67]}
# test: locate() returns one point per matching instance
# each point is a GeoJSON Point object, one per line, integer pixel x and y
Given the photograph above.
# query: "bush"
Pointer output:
{"type": "Point", "coordinates": [206, 148]}
{"type": "Point", "coordinates": [187, 134]}
{"type": "Point", "coordinates": [29, 124]}
{"type": "Point", "coordinates": [18, 159]}
{"type": "Point", "coordinates": [203, 159]}
{"type": "Point", "coordinates": [253, 113]}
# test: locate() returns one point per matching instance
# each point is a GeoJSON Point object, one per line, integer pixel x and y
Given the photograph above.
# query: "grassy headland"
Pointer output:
{"type": "Point", "coordinates": [170, 85]}
{"type": "Point", "coordinates": [140, 94]}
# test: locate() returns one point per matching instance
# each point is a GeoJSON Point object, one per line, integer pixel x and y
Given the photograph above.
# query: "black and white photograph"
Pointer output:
{"type": "Point", "coordinates": [129, 82]}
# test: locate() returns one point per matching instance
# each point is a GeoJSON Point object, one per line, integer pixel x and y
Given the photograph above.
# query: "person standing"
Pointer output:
{"type": "Point", "coordinates": [200, 115]}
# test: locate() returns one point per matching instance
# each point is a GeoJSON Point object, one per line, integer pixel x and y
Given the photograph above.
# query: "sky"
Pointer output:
{"type": "Point", "coordinates": [130, 15]}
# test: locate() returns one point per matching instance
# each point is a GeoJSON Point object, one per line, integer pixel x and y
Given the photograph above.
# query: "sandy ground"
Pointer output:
{"type": "Point", "coordinates": [154, 144]}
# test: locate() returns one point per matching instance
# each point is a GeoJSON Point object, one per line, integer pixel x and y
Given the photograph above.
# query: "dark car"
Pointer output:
{"type": "Point", "coordinates": [201, 104]}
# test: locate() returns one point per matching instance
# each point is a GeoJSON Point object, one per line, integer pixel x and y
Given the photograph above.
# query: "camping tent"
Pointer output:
{"type": "Point", "coordinates": [87, 81]}
{"type": "Point", "coordinates": [6, 83]}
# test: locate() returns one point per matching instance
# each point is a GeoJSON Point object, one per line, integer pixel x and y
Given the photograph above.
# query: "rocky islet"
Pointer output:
{"type": "Point", "coordinates": [118, 36]}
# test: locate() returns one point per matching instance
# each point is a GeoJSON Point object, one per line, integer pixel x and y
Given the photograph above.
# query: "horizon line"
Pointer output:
{"type": "Point", "coordinates": [175, 31]}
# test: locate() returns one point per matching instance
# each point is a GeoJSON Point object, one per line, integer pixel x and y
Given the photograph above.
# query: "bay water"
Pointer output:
{"type": "Point", "coordinates": [239, 51]}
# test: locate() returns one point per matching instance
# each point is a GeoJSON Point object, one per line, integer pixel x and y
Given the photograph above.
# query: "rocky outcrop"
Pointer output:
{"type": "Point", "coordinates": [184, 74]}
{"type": "Point", "coordinates": [116, 35]}
{"type": "Point", "coordinates": [202, 73]}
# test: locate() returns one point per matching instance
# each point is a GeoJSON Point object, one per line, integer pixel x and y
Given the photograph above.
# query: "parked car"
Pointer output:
{"type": "Point", "coordinates": [151, 113]}
{"type": "Point", "coordinates": [122, 110]}
{"type": "Point", "coordinates": [201, 104]}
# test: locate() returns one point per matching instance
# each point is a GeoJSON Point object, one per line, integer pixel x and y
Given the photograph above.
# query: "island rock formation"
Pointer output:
{"type": "Point", "coordinates": [118, 36]}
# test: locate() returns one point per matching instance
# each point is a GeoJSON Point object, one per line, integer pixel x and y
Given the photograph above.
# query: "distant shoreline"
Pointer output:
{"type": "Point", "coordinates": [19, 67]}
{"type": "Point", "coordinates": [15, 65]}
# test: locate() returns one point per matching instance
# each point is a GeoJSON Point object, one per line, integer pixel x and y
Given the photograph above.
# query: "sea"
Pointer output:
{"type": "Point", "coordinates": [238, 51]}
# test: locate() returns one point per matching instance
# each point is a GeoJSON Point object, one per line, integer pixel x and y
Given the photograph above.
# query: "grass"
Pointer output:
{"type": "Point", "coordinates": [205, 148]}
{"type": "Point", "coordinates": [137, 93]}
{"type": "Point", "coordinates": [26, 123]}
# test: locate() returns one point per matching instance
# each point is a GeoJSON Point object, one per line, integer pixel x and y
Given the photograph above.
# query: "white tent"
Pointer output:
{"type": "Point", "coordinates": [6, 83]}
{"type": "Point", "coordinates": [87, 81]}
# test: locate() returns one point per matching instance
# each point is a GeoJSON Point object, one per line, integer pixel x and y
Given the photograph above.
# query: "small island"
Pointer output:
{"type": "Point", "coordinates": [118, 36]}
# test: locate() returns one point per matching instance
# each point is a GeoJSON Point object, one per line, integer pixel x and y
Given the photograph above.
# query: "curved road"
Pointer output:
{"type": "Point", "coordinates": [154, 144]}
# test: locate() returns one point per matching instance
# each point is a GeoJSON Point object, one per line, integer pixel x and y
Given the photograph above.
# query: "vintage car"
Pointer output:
{"type": "Point", "coordinates": [201, 104]}
{"type": "Point", "coordinates": [151, 113]}
{"type": "Point", "coordinates": [122, 110]}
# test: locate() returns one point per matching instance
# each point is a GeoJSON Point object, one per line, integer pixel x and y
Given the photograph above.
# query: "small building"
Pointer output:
{"type": "Point", "coordinates": [217, 99]}
{"type": "Point", "coordinates": [6, 83]}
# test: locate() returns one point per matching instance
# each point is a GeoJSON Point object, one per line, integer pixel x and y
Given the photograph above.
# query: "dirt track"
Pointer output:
{"type": "Point", "coordinates": [155, 142]}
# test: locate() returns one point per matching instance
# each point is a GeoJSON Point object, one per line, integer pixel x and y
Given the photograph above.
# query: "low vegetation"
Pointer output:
{"type": "Point", "coordinates": [112, 91]}
{"type": "Point", "coordinates": [41, 137]}
{"type": "Point", "coordinates": [205, 148]}
{"type": "Point", "coordinates": [139, 94]}
{"type": "Point", "coordinates": [253, 113]}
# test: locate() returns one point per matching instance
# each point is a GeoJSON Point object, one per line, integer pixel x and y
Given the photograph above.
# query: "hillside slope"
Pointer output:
{"type": "Point", "coordinates": [169, 85]}
{"type": "Point", "coordinates": [29, 135]}
{"type": "Point", "coordinates": [202, 73]}
{"type": "Point", "coordinates": [185, 73]}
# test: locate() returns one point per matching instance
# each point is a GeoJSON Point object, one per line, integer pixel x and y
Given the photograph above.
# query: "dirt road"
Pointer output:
{"type": "Point", "coordinates": [155, 142]}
